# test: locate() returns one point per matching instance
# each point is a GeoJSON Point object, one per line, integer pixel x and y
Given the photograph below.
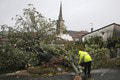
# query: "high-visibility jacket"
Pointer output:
{"type": "Point", "coordinates": [84, 57]}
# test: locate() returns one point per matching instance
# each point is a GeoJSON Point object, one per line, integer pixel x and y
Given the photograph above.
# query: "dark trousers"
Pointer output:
{"type": "Point", "coordinates": [87, 68]}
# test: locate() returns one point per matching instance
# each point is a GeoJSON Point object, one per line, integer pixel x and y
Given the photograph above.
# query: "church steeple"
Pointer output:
{"type": "Point", "coordinates": [60, 13]}
{"type": "Point", "coordinates": [60, 22]}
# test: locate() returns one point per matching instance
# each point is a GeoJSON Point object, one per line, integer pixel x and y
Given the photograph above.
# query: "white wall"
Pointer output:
{"type": "Point", "coordinates": [107, 32]}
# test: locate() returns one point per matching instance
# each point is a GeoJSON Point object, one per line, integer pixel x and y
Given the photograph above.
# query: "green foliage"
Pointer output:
{"type": "Point", "coordinates": [100, 56]}
{"type": "Point", "coordinates": [113, 42]}
{"type": "Point", "coordinates": [71, 53]}
{"type": "Point", "coordinates": [102, 51]}
{"type": "Point", "coordinates": [97, 48]}
{"type": "Point", "coordinates": [12, 58]}
{"type": "Point", "coordinates": [29, 41]}
{"type": "Point", "coordinates": [96, 40]}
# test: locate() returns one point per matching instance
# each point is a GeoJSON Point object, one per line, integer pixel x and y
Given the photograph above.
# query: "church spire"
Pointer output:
{"type": "Point", "coordinates": [60, 22]}
{"type": "Point", "coordinates": [60, 13]}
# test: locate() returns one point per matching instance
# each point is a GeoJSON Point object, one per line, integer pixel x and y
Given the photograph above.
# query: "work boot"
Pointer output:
{"type": "Point", "coordinates": [89, 76]}
{"type": "Point", "coordinates": [85, 77]}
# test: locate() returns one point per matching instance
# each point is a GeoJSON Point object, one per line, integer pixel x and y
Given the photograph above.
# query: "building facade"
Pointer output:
{"type": "Point", "coordinates": [105, 32]}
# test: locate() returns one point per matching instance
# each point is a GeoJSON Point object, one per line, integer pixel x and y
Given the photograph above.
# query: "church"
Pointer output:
{"type": "Point", "coordinates": [65, 34]}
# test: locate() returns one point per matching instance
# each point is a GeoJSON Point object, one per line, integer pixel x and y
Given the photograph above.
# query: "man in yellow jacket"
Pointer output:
{"type": "Point", "coordinates": [85, 61]}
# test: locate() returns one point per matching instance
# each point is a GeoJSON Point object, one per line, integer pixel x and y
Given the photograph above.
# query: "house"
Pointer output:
{"type": "Point", "coordinates": [76, 35]}
{"type": "Point", "coordinates": [105, 32]}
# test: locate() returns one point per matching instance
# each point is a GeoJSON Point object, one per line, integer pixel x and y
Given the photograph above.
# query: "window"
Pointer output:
{"type": "Point", "coordinates": [102, 33]}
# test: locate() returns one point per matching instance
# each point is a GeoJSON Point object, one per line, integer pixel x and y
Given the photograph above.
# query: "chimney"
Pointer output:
{"type": "Point", "coordinates": [91, 29]}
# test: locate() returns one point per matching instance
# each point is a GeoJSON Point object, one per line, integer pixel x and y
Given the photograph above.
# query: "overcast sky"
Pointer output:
{"type": "Point", "coordinates": [78, 14]}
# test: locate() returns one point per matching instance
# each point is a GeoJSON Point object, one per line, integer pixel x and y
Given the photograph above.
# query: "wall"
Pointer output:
{"type": "Point", "coordinates": [104, 32]}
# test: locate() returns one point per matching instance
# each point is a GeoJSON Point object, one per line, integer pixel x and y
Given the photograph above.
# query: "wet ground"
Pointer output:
{"type": "Point", "coordinates": [60, 77]}
{"type": "Point", "coordinates": [106, 74]}
{"type": "Point", "coordinates": [99, 74]}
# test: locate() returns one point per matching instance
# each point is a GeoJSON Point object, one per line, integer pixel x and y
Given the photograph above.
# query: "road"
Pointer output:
{"type": "Point", "coordinates": [99, 74]}
{"type": "Point", "coordinates": [106, 74]}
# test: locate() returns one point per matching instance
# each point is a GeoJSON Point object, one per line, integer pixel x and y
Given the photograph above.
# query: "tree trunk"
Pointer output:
{"type": "Point", "coordinates": [75, 68]}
